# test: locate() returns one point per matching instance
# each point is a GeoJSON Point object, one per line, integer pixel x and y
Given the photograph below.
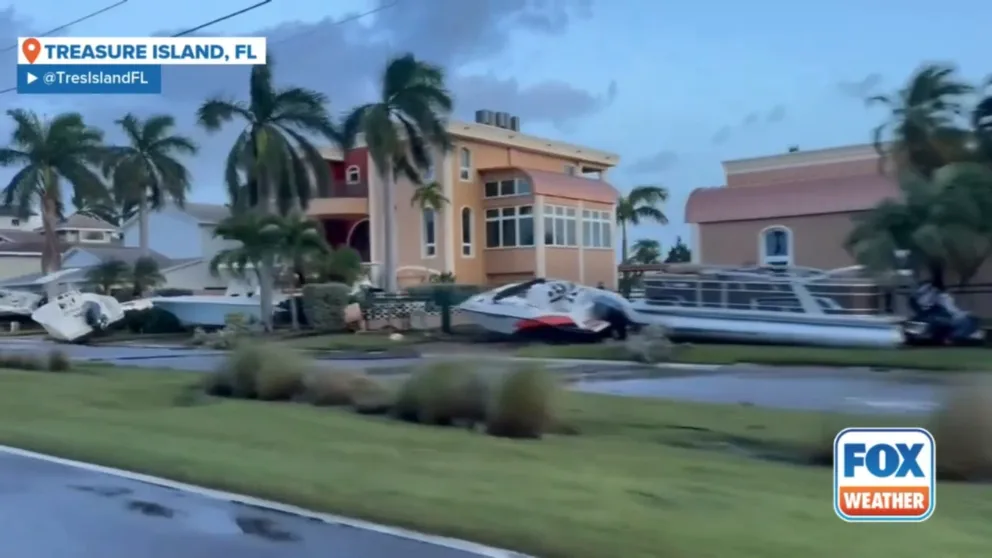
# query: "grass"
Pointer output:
{"type": "Point", "coordinates": [617, 489]}
{"type": "Point", "coordinates": [940, 358]}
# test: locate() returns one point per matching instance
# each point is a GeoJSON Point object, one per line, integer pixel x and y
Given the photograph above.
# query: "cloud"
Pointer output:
{"type": "Point", "coordinates": [776, 114]}
{"type": "Point", "coordinates": [722, 135]}
{"type": "Point", "coordinates": [345, 62]}
{"type": "Point", "coordinates": [660, 161]}
{"type": "Point", "coordinates": [750, 119]}
{"type": "Point", "coordinates": [862, 88]}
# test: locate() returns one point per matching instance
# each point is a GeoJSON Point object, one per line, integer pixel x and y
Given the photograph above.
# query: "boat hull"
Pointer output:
{"type": "Point", "coordinates": [200, 311]}
{"type": "Point", "coordinates": [74, 317]}
{"type": "Point", "coordinates": [826, 331]}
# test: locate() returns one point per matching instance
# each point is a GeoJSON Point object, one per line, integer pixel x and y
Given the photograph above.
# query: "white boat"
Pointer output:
{"type": "Point", "coordinates": [782, 306]}
{"type": "Point", "coordinates": [549, 308]}
{"type": "Point", "coordinates": [74, 316]}
{"type": "Point", "coordinates": [18, 304]}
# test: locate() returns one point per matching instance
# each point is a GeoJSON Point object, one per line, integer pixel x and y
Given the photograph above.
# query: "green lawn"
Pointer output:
{"type": "Point", "coordinates": [617, 489]}
{"type": "Point", "coordinates": [942, 358]}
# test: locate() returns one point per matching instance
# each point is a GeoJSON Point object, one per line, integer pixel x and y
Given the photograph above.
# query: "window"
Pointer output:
{"type": "Point", "coordinates": [429, 232]}
{"type": "Point", "coordinates": [570, 170]}
{"type": "Point", "coordinates": [15, 222]}
{"type": "Point", "coordinates": [775, 246]}
{"type": "Point", "coordinates": [467, 223]}
{"type": "Point", "coordinates": [560, 226]}
{"type": "Point", "coordinates": [353, 175]}
{"type": "Point", "coordinates": [597, 229]}
{"type": "Point", "coordinates": [509, 227]}
{"type": "Point", "coordinates": [465, 164]}
{"type": "Point", "coordinates": [506, 188]}
{"type": "Point", "coordinates": [93, 235]}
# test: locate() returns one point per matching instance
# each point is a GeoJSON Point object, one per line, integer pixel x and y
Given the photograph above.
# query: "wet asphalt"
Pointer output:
{"type": "Point", "coordinates": [49, 510]}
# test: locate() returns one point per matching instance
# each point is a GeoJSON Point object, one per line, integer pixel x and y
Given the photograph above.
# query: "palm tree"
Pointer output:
{"type": "Point", "coordinates": [145, 275]}
{"type": "Point", "coordinates": [647, 251]}
{"type": "Point", "coordinates": [260, 241]}
{"type": "Point", "coordinates": [107, 275]}
{"type": "Point", "coordinates": [941, 222]}
{"type": "Point", "coordinates": [48, 152]}
{"type": "Point", "coordinates": [147, 172]}
{"type": "Point", "coordinates": [273, 159]}
{"type": "Point", "coordinates": [401, 129]}
{"type": "Point", "coordinates": [638, 206]}
{"type": "Point", "coordinates": [109, 208]}
{"type": "Point", "coordinates": [340, 265]}
{"type": "Point", "coordinates": [300, 239]}
{"type": "Point", "coordinates": [922, 132]}
{"type": "Point", "coordinates": [428, 196]}
{"type": "Point", "coordinates": [981, 121]}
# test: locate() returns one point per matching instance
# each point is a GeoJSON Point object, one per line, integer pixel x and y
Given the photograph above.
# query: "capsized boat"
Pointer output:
{"type": "Point", "coordinates": [18, 304]}
{"type": "Point", "coordinates": [75, 316]}
{"type": "Point", "coordinates": [550, 309]}
{"type": "Point", "coordinates": [770, 305]}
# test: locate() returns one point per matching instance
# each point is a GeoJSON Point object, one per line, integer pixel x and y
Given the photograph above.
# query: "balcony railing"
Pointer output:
{"type": "Point", "coordinates": [340, 190]}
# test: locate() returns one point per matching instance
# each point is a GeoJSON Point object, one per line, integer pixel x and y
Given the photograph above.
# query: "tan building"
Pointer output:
{"type": "Point", "coordinates": [789, 209]}
{"type": "Point", "coordinates": [520, 206]}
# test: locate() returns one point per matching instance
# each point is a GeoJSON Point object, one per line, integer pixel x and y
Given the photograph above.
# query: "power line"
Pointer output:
{"type": "Point", "coordinates": [186, 32]}
{"type": "Point", "coordinates": [348, 19]}
{"type": "Point", "coordinates": [71, 23]}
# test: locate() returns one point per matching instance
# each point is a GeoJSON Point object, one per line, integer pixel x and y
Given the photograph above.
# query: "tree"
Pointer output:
{"type": "Point", "coordinates": [646, 251]}
{"type": "Point", "coordinates": [147, 172]}
{"type": "Point", "coordinates": [640, 205]}
{"type": "Point", "coordinates": [273, 160]}
{"type": "Point", "coordinates": [109, 208]}
{"type": "Point", "coordinates": [401, 129]}
{"type": "Point", "coordinates": [981, 121]}
{"type": "Point", "coordinates": [679, 253]}
{"type": "Point", "coordinates": [340, 265]}
{"type": "Point", "coordinates": [922, 132]}
{"type": "Point", "coordinates": [145, 275]}
{"type": "Point", "coordinates": [259, 241]}
{"type": "Point", "coordinates": [942, 223]}
{"type": "Point", "coordinates": [48, 152]}
{"type": "Point", "coordinates": [106, 275]}
{"type": "Point", "coordinates": [428, 196]}
{"type": "Point", "coordinates": [299, 239]}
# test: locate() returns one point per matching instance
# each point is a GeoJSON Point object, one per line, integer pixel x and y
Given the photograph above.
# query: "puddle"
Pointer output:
{"type": "Point", "coordinates": [264, 528]}
{"type": "Point", "coordinates": [150, 508]}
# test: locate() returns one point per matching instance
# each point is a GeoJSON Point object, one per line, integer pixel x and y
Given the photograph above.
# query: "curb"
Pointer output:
{"type": "Point", "coordinates": [446, 542]}
{"type": "Point", "coordinates": [579, 361]}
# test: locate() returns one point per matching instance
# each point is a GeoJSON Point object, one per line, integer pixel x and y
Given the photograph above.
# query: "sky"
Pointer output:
{"type": "Point", "coordinates": [673, 88]}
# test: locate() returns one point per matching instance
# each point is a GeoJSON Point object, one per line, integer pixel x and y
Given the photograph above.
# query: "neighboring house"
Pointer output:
{"type": "Point", "coordinates": [520, 206]}
{"type": "Point", "coordinates": [184, 235]}
{"type": "Point", "coordinates": [789, 209]}
{"type": "Point", "coordinates": [21, 243]}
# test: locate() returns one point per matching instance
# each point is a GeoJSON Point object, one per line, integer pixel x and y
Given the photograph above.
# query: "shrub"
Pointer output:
{"type": "Point", "coordinates": [260, 371]}
{"type": "Point", "coordinates": [21, 361]}
{"type": "Point", "coordinates": [200, 337]}
{"type": "Point", "coordinates": [58, 361]}
{"type": "Point", "coordinates": [651, 345]}
{"type": "Point", "coordinates": [962, 429]}
{"type": "Point", "coordinates": [443, 393]}
{"type": "Point", "coordinates": [324, 305]}
{"type": "Point", "coordinates": [522, 407]}
{"type": "Point", "coordinates": [151, 320]}
{"type": "Point", "coordinates": [337, 387]}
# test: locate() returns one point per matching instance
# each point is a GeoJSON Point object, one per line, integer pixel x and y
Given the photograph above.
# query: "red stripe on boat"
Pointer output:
{"type": "Point", "coordinates": [545, 321]}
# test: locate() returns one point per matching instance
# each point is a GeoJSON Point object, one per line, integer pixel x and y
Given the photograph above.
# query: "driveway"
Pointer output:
{"type": "Point", "coordinates": [50, 510]}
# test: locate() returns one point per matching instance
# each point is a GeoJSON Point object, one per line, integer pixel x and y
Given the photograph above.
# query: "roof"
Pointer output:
{"type": "Point", "coordinates": [82, 221]}
{"type": "Point", "coordinates": [793, 199]}
{"type": "Point", "coordinates": [8, 236]}
{"type": "Point", "coordinates": [126, 254]}
{"type": "Point", "coordinates": [207, 213]}
{"type": "Point", "coordinates": [75, 274]}
{"type": "Point", "coordinates": [11, 211]}
{"type": "Point", "coordinates": [561, 185]}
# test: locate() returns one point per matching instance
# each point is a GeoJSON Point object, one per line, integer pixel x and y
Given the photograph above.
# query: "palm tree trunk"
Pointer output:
{"type": "Point", "coordinates": [51, 258]}
{"type": "Point", "coordinates": [623, 243]}
{"type": "Point", "coordinates": [392, 242]}
{"type": "Point", "coordinates": [143, 226]}
{"type": "Point", "coordinates": [293, 314]}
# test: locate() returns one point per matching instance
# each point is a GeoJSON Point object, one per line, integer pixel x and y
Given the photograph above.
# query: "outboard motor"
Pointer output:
{"type": "Point", "coordinates": [938, 320]}
{"type": "Point", "coordinates": [94, 316]}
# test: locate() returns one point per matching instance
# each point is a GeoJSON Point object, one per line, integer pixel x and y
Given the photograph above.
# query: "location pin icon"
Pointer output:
{"type": "Point", "coordinates": [31, 49]}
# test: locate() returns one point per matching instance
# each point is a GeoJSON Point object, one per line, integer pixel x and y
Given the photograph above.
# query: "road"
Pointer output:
{"type": "Point", "coordinates": [50, 510]}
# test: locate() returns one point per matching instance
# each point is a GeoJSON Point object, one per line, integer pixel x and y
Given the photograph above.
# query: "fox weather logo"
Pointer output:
{"type": "Point", "coordinates": [884, 474]}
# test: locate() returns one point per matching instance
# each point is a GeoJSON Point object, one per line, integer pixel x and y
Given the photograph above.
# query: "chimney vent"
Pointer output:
{"type": "Point", "coordinates": [515, 123]}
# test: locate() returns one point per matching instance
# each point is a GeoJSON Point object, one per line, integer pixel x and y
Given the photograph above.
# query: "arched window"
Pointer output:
{"type": "Point", "coordinates": [467, 226]}
{"type": "Point", "coordinates": [465, 164]}
{"type": "Point", "coordinates": [429, 232]}
{"type": "Point", "coordinates": [775, 246]}
{"type": "Point", "coordinates": [353, 175]}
